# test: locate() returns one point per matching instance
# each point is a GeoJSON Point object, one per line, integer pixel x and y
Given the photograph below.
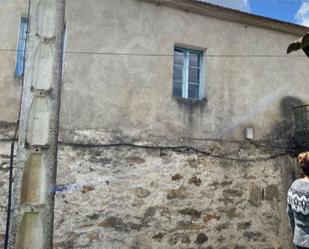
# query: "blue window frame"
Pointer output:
{"type": "Point", "coordinates": [187, 73]}
{"type": "Point", "coordinates": [20, 55]}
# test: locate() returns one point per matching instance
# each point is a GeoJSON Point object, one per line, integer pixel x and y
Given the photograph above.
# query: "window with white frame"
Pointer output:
{"type": "Point", "coordinates": [19, 68]}
{"type": "Point", "coordinates": [187, 73]}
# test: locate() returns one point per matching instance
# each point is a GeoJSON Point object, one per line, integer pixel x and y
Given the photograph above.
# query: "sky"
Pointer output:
{"type": "Point", "coordinates": [294, 11]}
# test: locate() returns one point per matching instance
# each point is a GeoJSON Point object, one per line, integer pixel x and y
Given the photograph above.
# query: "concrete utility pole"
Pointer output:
{"type": "Point", "coordinates": [35, 169]}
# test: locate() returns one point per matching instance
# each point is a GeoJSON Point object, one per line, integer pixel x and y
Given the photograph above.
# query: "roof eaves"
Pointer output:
{"type": "Point", "coordinates": [204, 8]}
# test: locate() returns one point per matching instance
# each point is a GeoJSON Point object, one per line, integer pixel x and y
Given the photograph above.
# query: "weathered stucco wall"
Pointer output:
{"type": "Point", "coordinates": [133, 93]}
{"type": "Point", "coordinates": [10, 14]}
{"type": "Point", "coordinates": [241, 91]}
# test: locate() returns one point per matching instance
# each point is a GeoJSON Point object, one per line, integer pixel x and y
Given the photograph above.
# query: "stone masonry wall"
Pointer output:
{"type": "Point", "coordinates": [149, 198]}
{"type": "Point", "coordinates": [6, 133]}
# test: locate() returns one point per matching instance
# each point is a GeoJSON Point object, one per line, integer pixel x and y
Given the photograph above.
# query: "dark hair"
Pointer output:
{"type": "Point", "coordinates": [303, 160]}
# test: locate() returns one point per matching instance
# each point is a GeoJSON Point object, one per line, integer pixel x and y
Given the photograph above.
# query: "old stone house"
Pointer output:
{"type": "Point", "coordinates": [177, 125]}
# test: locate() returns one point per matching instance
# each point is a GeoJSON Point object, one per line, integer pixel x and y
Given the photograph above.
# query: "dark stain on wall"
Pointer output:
{"type": "Point", "coordinates": [191, 108]}
{"type": "Point", "coordinates": [7, 125]}
{"type": "Point", "coordinates": [283, 133]}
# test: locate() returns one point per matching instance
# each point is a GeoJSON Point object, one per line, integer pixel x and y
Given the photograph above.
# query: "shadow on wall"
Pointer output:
{"type": "Point", "coordinates": [283, 133]}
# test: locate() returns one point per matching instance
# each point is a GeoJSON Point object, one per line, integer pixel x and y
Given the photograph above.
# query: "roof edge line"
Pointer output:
{"type": "Point", "coordinates": [233, 15]}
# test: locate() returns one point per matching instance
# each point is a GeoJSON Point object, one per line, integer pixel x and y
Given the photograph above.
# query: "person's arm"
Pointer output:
{"type": "Point", "coordinates": [291, 217]}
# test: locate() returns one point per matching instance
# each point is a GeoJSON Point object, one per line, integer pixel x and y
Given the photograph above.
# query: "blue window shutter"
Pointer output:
{"type": "Point", "coordinates": [19, 70]}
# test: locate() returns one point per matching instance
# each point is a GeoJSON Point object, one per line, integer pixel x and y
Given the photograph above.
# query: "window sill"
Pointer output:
{"type": "Point", "coordinates": [190, 101]}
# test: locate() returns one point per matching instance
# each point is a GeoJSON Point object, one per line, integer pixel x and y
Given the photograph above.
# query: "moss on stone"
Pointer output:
{"type": "Point", "coordinates": [232, 193]}
{"type": "Point", "coordinates": [158, 236]}
{"type": "Point", "coordinates": [190, 211]}
{"type": "Point", "coordinates": [222, 226]}
{"type": "Point", "coordinates": [114, 222]}
{"type": "Point", "coordinates": [195, 180]}
{"type": "Point", "coordinates": [186, 239]}
{"type": "Point", "coordinates": [188, 226]}
{"type": "Point", "coordinates": [272, 193]}
{"type": "Point", "coordinates": [243, 225]}
{"type": "Point", "coordinates": [176, 193]}
{"type": "Point", "coordinates": [201, 238]}
{"type": "Point", "coordinates": [176, 177]}
{"type": "Point", "coordinates": [150, 212]}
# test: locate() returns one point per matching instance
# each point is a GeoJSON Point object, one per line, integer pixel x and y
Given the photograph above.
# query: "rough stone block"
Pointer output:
{"type": "Point", "coordinates": [114, 222]}
{"type": "Point", "coordinates": [210, 216]}
{"type": "Point", "coordinates": [232, 193]}
{"type": "Point", "coordinates": [141, 192]}
{"type": "Point", "coordinates": [201, 238]}
{"type": "Point", "coordinates": [179, 193]}
{"type": "Point", "coordinates": [255, 195]}
{"type": "Point", "coordinates": [190, 211]}
{"type": "Point", "coordinates": [176, 177]}
{"type": "Point", "coordinates": [195, 180]}
{"type": "Point", "coordinates": [272, 193]}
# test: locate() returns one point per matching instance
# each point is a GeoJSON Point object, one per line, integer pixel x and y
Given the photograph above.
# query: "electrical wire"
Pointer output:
{"type": "Point", "coordinates": [7, 139]}
{"type": "Point", "coordinates": [165, 55]}
{"type": "Point", "coordinates": [206, 1]}
{"type": "Point", "coordinates": [10, 188]}
{"type": "Point", "coordinates": [170, 55]}
{"type": "Point", "coordinates": [263, 144]}
{"type": "Point", "coordinates": [188, 149]}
